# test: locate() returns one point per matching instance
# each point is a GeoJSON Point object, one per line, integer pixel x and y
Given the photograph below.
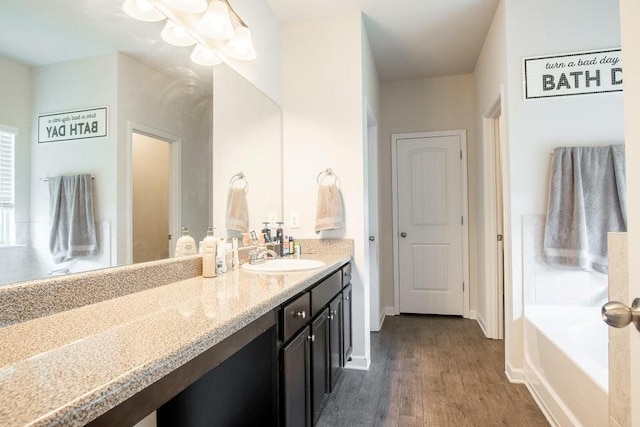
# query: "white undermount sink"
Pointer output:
{"type": "Point", "coordinates": [283, 265]}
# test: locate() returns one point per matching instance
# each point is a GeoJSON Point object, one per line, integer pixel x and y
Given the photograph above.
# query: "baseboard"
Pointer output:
{"type": "Point", "coordinates": [482, 324]}
{"type": "Point", "coordinates": [547, 399]}
{"type": "Point", "coordinates": [514, 375]}
{"type": "Point", "coordinates": [359, 363]}
{"type": "Point", "coordinates": [381, 319]}
{"type": "Point", "coordinates": [389, 311]}
{"type": "Point", "coordinates": [473, 314]}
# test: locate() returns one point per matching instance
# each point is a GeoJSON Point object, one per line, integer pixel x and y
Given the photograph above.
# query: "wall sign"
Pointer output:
{"type": "Point", "coordinates": [580, 73]}
{"type": "Point", "coordinates": [69, 125]}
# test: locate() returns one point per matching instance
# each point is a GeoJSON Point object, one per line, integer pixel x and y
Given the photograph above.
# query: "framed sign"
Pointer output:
{"type": "Point", "coordinates": [580, 73]}
{"type": "Point", "coordinates": [70, 125]}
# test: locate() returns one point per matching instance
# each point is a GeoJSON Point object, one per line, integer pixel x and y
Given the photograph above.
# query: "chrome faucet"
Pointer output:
{"type": "Point", "coordinates": [260, 255]}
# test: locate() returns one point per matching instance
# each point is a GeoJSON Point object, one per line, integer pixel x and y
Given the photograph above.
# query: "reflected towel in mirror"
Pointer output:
{"type": "Point", "coordinates": [237, 210]}
{"type": "Point", "coordinates": [329, 214]}
{"type": "Point", "coordinates": [73, 229]}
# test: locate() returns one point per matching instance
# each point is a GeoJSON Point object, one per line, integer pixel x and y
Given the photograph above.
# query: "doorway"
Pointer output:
{"type": "Point", "coordinates": [430, 223]}
{"type": "Point", "coordinates": [154, 193]}
{"type": "Point", "coordinates": [493, 319]}
{"type": "Point", "coordinates": [372, 217]}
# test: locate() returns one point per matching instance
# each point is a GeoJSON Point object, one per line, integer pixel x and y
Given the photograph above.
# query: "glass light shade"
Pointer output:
{"type": "Point", "coordinates": [142, 10]}
{"type": "Point", "coordinates": [216, 23]}
{"type": "Point", "coordinates": [241, 45]}
{"type": "Point", "coordinates": [188, 6]}
{"type": "Point", "coordinates": [174, 34]}
{"type": "Point", "coordinates": [203, 56]}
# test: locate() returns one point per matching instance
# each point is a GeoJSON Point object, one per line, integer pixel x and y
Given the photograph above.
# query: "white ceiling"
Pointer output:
{"type": "Point", "coordinates": [409, 38]}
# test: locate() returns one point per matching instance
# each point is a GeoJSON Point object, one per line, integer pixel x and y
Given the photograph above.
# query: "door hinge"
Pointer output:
{"type": "Point", "coordinates": [499, 237]}
{"type": "Point", "coordinates": [460, 154]}
{"type": "Point", "coordinates": [462, 286]}
{"type": "Point", "coordinates": [461, 220]}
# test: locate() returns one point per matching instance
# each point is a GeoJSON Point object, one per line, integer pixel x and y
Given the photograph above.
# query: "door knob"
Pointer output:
{"type": "Point", "coordinates": [403, 234]}
{"type": "Point", "coordinates": [619, 315]}
{"type": "Point", "coordinates": [372, 238]}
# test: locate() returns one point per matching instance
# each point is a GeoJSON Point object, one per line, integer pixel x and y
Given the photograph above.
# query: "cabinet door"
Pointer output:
{"type": "Point", "coordinates": [347, 338]}
{"type": "Point", "coordinates": [319, 362]}
{"type": "Point", "coordinates": [296, 382]}
{"type": "Point", "coordinates": [335, 341]}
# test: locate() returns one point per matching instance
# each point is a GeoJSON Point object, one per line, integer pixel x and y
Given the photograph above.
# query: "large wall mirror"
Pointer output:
{"type": "Point", "coordinates": [160, 166]}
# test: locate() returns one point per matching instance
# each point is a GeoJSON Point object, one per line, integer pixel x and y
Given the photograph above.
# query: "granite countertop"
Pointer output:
{"type": "Point", "coordinates": [71, 367]}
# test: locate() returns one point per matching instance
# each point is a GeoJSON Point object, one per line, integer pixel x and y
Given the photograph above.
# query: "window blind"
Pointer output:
{"type": "Point", "coordinates": [7, 185]}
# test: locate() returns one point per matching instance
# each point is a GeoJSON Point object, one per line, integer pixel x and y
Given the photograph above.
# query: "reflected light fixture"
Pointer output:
{"type": "Point", "coordinates": [188, 25]}
{"type": "Point", "coordinates": [143, 10]}
{"type": "Point", "coordinates": [203, 56]}
{"type": "Point", "coordinates": [174, 34]}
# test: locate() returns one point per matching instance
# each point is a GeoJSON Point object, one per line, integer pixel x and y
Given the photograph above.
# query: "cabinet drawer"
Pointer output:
{"type": "Point", "coordinates": [295, 315]}
{"type": "Point", "coordinates": [346, 275]}
{"type": "Point", "coordinates": [324, 291]}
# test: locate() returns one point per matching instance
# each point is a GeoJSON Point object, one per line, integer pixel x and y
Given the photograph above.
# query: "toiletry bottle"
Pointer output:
{"type": "Point", "coordinates": [185, 244]}
{"type": "Point", "coordinates": [280, 237]}
{"type": "Point", "coordinates": [291, 247]}
{"type": "Point", "coordinates": [266, 232]}
{"type": "Point", "coordinates": [221, 262]}
{"type": "Point", "coordinates": [209, 254]}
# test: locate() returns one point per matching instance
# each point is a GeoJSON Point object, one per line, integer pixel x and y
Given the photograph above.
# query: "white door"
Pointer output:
{"type": "Point", "coordinates": [499, 226]}
{"type": "Point", "coordinates": [430, 224]}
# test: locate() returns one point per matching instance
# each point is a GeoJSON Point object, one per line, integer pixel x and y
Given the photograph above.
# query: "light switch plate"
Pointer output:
{"type": "Point", "coordinates": [294, 220]}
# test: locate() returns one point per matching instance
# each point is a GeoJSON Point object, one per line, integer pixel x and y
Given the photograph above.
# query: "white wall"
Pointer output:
{"type": "Point", "coordinates": [266, 71]}
{"type": "Point", "coordinates": [430, 104]}
{"type": "Point", "coordinates": [322, 118]}
{"type": "Point", "coordinates": [16, 112]}
{"type": "Point", "coordinates": [248, 137]}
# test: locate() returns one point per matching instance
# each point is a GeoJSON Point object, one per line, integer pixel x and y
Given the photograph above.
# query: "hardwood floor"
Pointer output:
{"type": "Point", "coordinates": [431, 371]}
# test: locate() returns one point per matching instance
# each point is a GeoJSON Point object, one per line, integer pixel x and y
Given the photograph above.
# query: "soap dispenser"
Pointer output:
{"type": "Point", "coordinates": [280, 237]}
{"type": "Point", "coordinates": [209, 254]}
{"type": "Point", "coordinates": [185, 244]}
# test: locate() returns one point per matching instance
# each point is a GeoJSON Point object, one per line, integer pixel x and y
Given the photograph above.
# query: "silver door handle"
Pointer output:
{"type": "Point", "coordinates": [372, 238]}
{"type": "Point", "coordinates": [403, 234]}
{"type": "Point", "coordinates": [619, 315]}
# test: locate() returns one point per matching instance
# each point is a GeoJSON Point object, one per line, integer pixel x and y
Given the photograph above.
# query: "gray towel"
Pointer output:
{"type": "Point", "coordinates": [587, 199]}
{"type": "Point", "coordinates": [73, 228]}
{"type": "Point", "coordinates": [329, 215]}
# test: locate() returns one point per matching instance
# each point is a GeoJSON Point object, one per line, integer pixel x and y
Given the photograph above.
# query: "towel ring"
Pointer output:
{"type": "Point", "coordinates": [240, 177]}
{"type": "Point", "coordinates": [327, 173]}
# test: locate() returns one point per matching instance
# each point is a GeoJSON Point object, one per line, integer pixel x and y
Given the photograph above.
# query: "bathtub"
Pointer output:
{"type": "Point", "coordinates": [566, 364]}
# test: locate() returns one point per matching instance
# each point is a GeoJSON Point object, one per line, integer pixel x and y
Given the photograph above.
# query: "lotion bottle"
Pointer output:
{"type": "Point", "coordinates": [209, 254]}
{"type": "Point", "coordinates": [185, 244]}
{"type": "Point", "coordinates": [221, 261]}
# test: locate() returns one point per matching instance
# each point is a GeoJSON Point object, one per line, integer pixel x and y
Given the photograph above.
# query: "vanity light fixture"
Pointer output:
{"type": "Point", "coordinates": [188, 25]}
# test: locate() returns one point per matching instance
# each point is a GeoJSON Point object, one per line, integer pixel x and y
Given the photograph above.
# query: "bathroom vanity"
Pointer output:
{"type": "Point", "coordinates": [242, 348]}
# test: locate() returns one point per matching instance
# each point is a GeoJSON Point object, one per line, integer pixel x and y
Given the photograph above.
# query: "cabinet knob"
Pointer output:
{"type": "Point", "coordinates": [330, 317]}
{"type": "Point", "coordinates": [311, 338]}
{"type": "Point", "coordinates": [302, 314]}
{"type": "Point", "coordinates": [346, 298]}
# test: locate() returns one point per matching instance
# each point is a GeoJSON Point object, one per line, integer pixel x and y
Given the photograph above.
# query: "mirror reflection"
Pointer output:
{"type": "Point", "coordinates": [154, 168]}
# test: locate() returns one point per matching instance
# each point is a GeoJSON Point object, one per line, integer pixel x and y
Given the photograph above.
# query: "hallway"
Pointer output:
{"type": "Point", "coordinates": [431, 371]}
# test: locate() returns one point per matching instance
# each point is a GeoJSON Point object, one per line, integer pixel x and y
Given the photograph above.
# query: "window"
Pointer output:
{"type": "Point", "coordinates": [7, 185]}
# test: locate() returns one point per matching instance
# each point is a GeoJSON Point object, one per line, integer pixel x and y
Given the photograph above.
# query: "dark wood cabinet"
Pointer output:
{"type": "Point", "coordinates": [335, 341]}
{"type": "Point", "coordinates": [347, 336]}
{"type": "Point", "coordinates": [319, 363]}
{"type": "Point", "coordinates": [312, 360]}
{"type": "Point", "coordinates": [296, 381]}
